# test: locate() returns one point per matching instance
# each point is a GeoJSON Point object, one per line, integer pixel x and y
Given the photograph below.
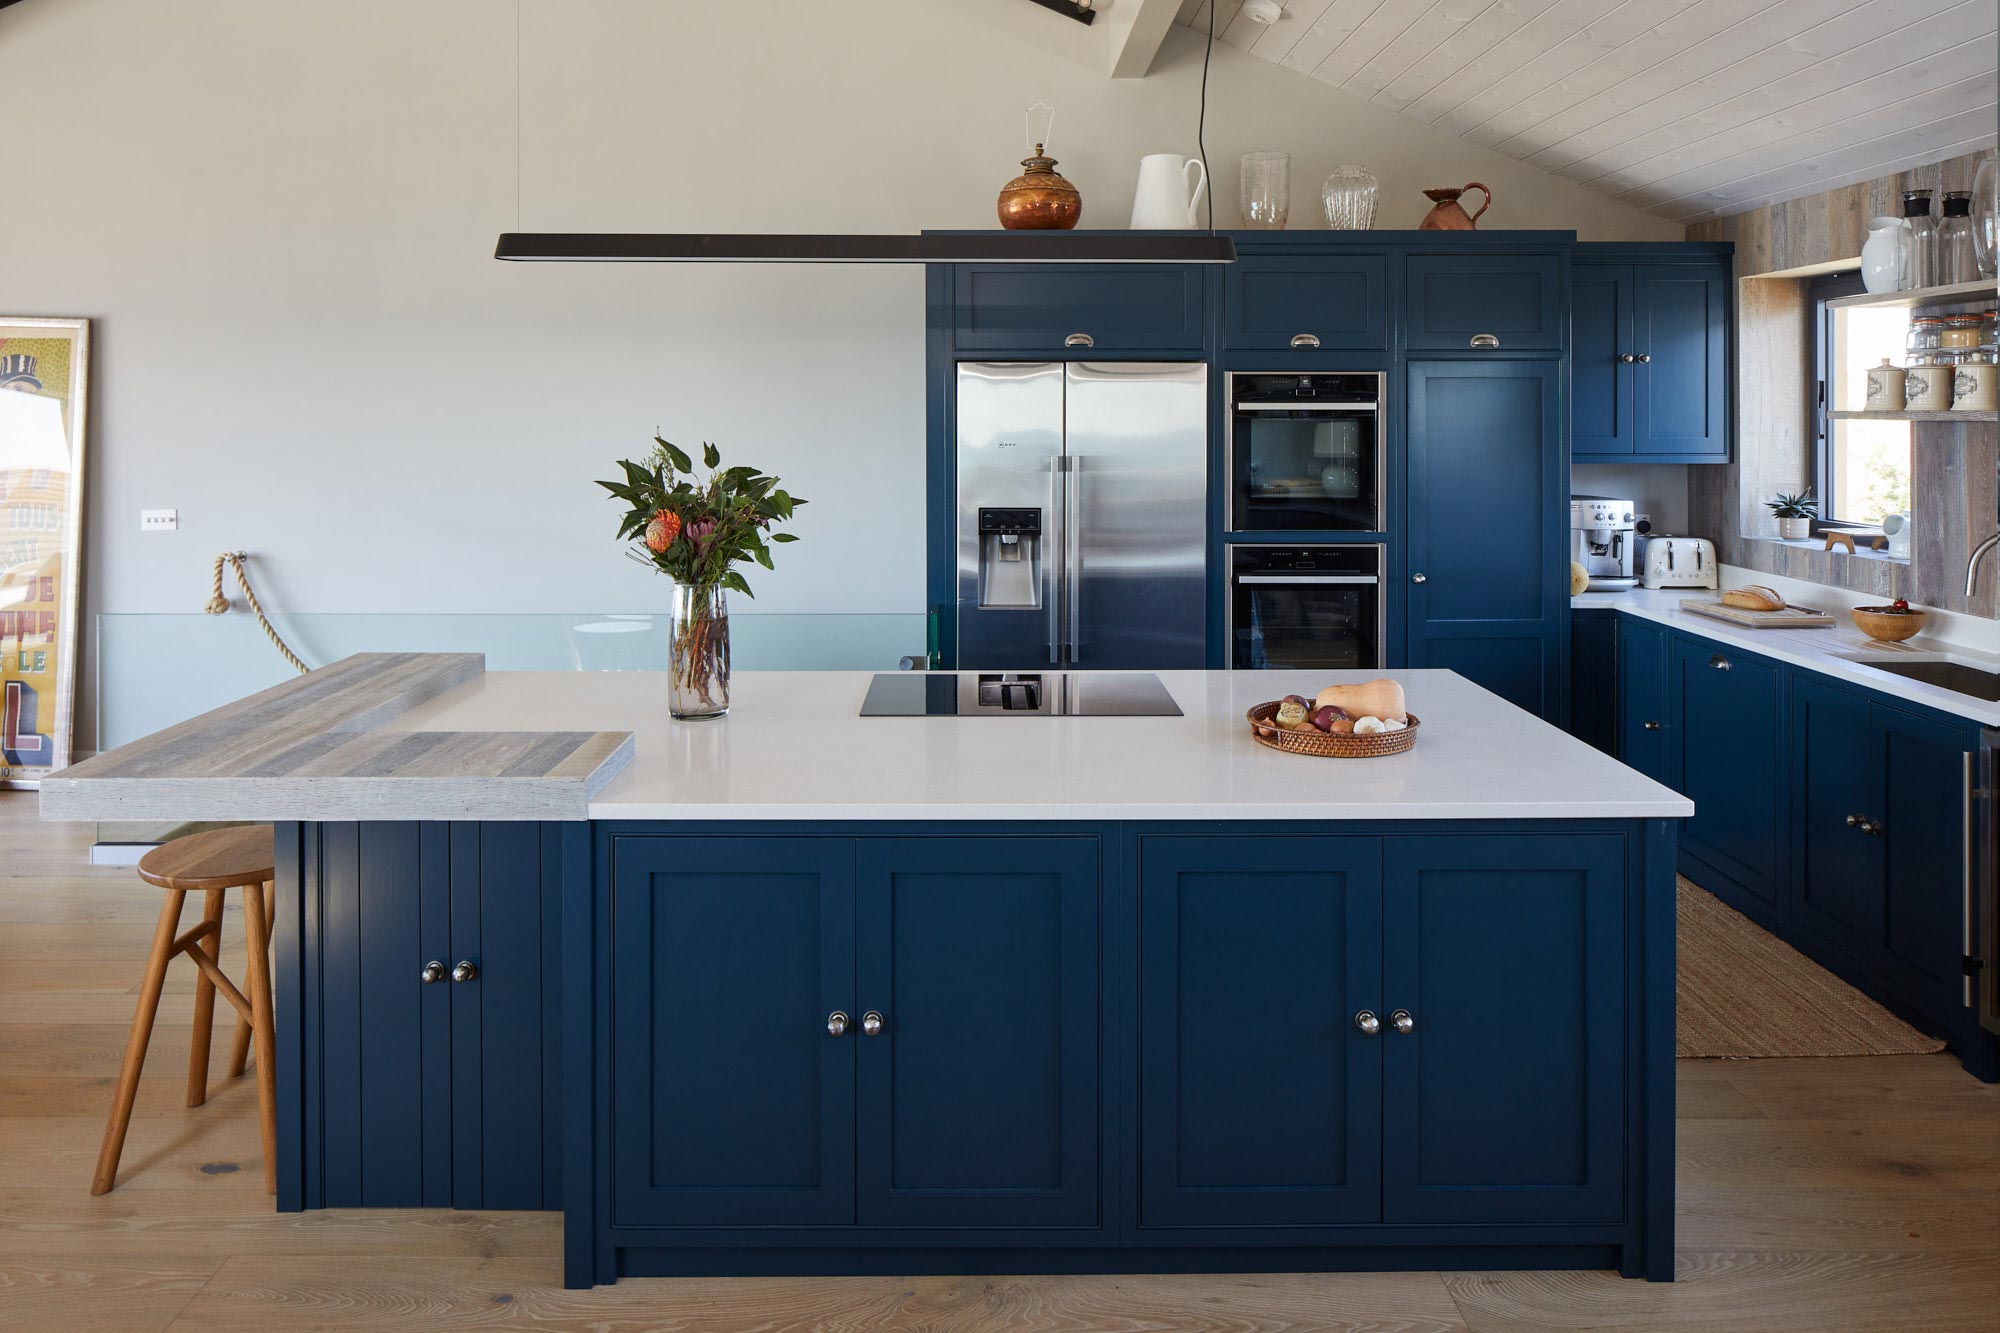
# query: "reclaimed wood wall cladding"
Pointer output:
{"type": "Point", "coordinates": [1956, 480]}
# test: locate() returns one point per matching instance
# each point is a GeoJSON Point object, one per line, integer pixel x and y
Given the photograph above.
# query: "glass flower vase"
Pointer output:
{"type": "Point", "coordinates": [698, 651]}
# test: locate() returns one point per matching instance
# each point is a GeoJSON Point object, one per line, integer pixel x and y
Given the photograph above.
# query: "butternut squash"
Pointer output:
{"type": "Point", "coordinates": [1374, 698]}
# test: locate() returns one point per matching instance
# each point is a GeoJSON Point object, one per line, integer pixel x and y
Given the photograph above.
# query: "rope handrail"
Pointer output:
{"type": "Point", "coordinates": [219, 605]}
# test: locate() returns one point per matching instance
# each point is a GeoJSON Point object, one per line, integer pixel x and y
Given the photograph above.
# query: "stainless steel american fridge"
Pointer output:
{"type": "Point", "coordinates": [1082, 515]}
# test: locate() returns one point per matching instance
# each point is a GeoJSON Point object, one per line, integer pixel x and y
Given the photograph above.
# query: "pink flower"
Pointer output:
{"type": "Point", "coordinates": [700, 531]}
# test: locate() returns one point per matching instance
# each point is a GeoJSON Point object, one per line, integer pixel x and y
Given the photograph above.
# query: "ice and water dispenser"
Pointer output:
{"type": "Point", "coordinates": [1010, 559]}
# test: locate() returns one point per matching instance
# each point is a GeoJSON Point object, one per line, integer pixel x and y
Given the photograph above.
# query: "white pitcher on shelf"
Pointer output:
{"type": "Point", "coordinates": [1171, 188]}
{"type": "Point", "coordinates": [1882, 254]}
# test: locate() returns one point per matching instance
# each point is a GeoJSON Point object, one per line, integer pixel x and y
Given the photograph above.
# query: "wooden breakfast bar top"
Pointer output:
{"type": "Point", "coordinates": [317, 748]}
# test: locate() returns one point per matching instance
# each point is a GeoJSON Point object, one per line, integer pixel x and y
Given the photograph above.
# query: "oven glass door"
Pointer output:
{"type": "Point", "coordinates": [1305, 469]}
{"type": "Point", "coordinates": [1326, 622]}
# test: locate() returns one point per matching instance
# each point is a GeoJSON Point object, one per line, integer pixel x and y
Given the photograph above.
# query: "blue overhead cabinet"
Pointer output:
{"type": "Point", "coordinates": [1293, 302]}
{"type": "Point", "coordinates": [1488, 581]}
{"type": "Point", "coordinates": [1485, 302]}
{"type": "Point", "coordinates": [1079, 309]}
{"type": "Point", "coordinates": [1650, 340]}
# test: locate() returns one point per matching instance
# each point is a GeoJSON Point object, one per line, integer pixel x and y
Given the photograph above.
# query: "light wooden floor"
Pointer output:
{"type": "Point", "coordinates": [1814, 1195]}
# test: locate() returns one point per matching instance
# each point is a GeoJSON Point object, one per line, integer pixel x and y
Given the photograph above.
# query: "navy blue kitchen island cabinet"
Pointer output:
{"type": "Point", "coordinates": [1832, 815]}
{"type": "Point", "coordinates": [826, 1047]}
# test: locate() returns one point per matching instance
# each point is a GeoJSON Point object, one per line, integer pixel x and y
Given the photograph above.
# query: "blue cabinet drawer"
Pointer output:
{"type": "Point", "coordinates": [1518, 301]}
{"type": "Point", "coordinates": [1305, 303]}
{"type": "Point", "coordinates": [1075, 309]}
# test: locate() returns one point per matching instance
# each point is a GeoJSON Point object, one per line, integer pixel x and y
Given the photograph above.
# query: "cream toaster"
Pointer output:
{"type": "Point", "coordinates": [1678, 562]}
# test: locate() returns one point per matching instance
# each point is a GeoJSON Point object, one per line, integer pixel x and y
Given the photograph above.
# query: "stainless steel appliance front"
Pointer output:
{"type": "Point", "coordinates": [1305, 452]}
{"type": "Point", "coordinates": [1082, 523]}
{"type": "Point", "coordinates": [1305, 607]}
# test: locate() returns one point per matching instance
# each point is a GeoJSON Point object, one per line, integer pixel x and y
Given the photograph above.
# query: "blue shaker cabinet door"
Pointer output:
{"type": "Point", "coordinates": [1036, 309]}
{"type": "Point", "coordinates": [1680, 332]}
{"type": "Point", "coordinates": [731, 1103]}
{"type": "Point", "coordinates": [1645, 722]}
{"type": "Point", "coordinates": [1600, 381]}
{"type": "Point", "coordinates": [978, 1097]}
{"type": "Point", "coordinates": [1836, 891]}
{"type": "Point", "coordinates": [1918, 816]}
{"type": "Point", "coordinates": [1727, 746]}
{"type": "Point", "coordinates": [1260, 1097]}
{"type": "Point", "coordinates": [1450, 300]}
{"type": "Point", "coordinates": [1489, 590]}
{"type": "Point", "coordinates": [1305, 303]}
{"type": "Point", "coordinates": [1504, 1102]}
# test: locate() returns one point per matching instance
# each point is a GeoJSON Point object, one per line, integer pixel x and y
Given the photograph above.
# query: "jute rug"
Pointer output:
{"type": "Point", "coordinates": [1744, 994]}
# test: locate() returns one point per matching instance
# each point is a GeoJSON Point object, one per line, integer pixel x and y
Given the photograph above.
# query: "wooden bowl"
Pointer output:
{"type": "Point", "coordinates": [1887, 623]}
{"type": "Point", "coordinates": [1326, 744]}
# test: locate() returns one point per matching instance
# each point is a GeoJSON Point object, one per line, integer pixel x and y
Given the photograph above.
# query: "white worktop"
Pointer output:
{"type": "Point", "coordinates": [1829, 651]}
{"type": "Point", "coordinates": [794, 747]}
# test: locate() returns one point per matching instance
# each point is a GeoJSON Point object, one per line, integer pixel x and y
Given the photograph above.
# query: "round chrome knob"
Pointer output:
{"type": "Point", "coordinates": [1652, 726]}
{"type": "Point", "coordinates": [1719, 662]}
{"type": "Point", "coordinates": [1367, 1022]}
{"type": "Point", "coordinates": [871, 1024]}
{"type": "Point", "coordinates": [1403, 1022]}
{"type": "Point", "coordinates": [1626, 358]}
{"type": "Point", "coordinates": [433, 972]}
{"type": "Point", "coordinates": [836, 1024]}
{"type": "Point", "coordinates": [467, 970]}
{"type": "Point", "coordinates": [1871, 827]}
{"type": "Point", "coordinates": [1420, 578]}
{"type": "Point", "coordinates": [1645, 358]}
{"type": "Point", "coordinates": [1855, 821]}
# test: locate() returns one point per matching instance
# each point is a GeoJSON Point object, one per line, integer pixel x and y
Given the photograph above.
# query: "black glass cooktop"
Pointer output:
{"type": "Point", "coordinates": [1018, 693]}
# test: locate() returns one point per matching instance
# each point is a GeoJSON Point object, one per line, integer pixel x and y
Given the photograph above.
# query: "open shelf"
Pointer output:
{"type": "Point", "coordinates": [1917, 416]}
{"type": "Point", "coordinates": [1985, 288]}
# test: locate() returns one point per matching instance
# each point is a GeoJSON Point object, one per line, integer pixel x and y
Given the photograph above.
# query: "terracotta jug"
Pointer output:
{"type": "Point", "coordinates": [1447, 215]}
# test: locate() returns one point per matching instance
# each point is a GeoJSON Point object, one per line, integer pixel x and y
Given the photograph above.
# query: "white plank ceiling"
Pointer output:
{"type": "Point", "coordinates": [1687, 108]}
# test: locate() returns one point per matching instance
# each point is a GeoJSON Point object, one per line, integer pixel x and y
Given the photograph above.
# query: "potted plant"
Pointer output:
{"type": "Point", "coordinates": [1795, 515]}
{"type": "Point", "coordinates": [695, 531]}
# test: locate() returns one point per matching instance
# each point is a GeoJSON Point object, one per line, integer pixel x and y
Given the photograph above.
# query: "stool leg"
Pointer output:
{"type": "Point", "coordinates": [204, 1003]}
{"type": "Point", "coordinates": [241, 1041]}
{"type": "Point", "coordinates": [263, 1030]}
{"type": "Point", "coordinates": [135, 1048]}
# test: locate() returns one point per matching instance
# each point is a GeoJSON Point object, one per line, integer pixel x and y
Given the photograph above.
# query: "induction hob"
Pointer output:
{"type": "Point", "coordinates": [1018, 694]}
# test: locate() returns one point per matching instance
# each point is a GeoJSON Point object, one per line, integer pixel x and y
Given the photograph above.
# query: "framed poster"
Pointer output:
{"type": "Point", "coordinates": [44, 391]}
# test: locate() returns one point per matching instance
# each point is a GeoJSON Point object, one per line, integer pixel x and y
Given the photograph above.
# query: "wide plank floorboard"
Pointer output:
{"type": "Point", "coordinates": [1814, 1195]}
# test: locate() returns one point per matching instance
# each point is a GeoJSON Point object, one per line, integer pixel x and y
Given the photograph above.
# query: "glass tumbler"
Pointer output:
{"type": "Point", "coordinates": [1267, 190]}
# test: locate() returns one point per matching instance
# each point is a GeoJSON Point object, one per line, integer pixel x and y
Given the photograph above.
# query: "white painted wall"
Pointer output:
{"type": "Point", "coordinates": [281, 216]}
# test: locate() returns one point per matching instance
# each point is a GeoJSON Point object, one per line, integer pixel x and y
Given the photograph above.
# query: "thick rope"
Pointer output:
{"type": "Point", "coordinates": [219, 605]}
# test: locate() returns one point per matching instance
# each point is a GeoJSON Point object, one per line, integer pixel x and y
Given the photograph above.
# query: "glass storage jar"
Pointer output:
{"type": "Point", "coordinates": [1926, 332]}
{"type": "Point", "coordinates": [1961, 331]}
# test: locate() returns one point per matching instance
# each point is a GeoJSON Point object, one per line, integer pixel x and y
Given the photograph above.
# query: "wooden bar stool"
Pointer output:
{"type": "Point", "coordinates": [213, 862]}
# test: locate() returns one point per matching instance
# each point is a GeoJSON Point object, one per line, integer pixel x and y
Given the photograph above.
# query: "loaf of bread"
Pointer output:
{"type": "Point", "coordinates": [1754, 597]}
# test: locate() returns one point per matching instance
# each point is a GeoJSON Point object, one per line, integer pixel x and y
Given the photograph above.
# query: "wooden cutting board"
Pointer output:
{"type": "Point", "coordinates": [1792, 617]}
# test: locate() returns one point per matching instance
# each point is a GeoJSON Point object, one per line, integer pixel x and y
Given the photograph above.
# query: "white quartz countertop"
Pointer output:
{"type": "Point", "coordinates": [1833, 651]}
{"type": "Point", "coordinates": [795, 747]}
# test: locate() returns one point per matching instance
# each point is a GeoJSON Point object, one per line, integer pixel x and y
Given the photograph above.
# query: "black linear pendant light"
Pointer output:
{"type": "Point", "coordinates": [995, 247]}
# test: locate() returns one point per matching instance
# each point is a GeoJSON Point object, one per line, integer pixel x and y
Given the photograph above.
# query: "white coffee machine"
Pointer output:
{"type": "Point", "coordinates": [1601, 539]}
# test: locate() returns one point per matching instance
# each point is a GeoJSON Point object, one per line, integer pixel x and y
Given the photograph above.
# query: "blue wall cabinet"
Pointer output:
{"type": "Point", "coordinates": [1048, 311]}
{"type": "Point", "coordinates": [1256, 956]}
{"type": "Point", "coordinates": [1836, 890]}
{"type": "Point", "coordinates": [1505, 1098]}
{"type": "Point", "coordinates": [1449, 301]}
{"type": "Point", "coordinates": [1305, 302]}
{"type": "Point", "coordinates": [438, 1093]}
{"type": "Point", "coordinates": [1650, 347]}
{"type": "Point", "coordinates": [1728, 717]}
{"type": "Point", "coordinates": [978, 1097]}
{"type": "Point", "coordinates": [1489, 580]}
{"type": "Point", "coordinates": [1645, 718]}
{"type": "Point", "coordinates": [733, 1102]}
{"type": "Point", "coordinates": [1593, 674]}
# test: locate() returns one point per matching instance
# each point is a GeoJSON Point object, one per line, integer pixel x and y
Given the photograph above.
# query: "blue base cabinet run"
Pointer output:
{"type": "Point", "coordinates": [823, 1048]}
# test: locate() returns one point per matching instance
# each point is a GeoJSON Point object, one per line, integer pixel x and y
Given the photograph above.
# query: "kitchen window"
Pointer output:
{"type": "Point", "coordinates": [1861, 469]}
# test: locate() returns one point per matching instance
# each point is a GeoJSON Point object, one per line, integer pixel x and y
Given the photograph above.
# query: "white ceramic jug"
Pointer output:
{"type": "Point", "coordinates": [1171, 188]}
{"type": "Point", "coordinates": [1882, 254]}
{"type": "Point", "coordinates": [1896, 527]}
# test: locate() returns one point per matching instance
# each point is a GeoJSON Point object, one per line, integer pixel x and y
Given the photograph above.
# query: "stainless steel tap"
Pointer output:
{"type": "Point", "coordinates": [1979, 553]}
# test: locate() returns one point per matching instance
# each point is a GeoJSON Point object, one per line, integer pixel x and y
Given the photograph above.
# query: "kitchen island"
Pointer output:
{"type": "Point", "coordinates": [802, 991]}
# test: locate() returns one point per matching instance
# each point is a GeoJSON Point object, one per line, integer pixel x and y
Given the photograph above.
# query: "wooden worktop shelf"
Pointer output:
{"type": "Point", "coordinates": [1917, 416]}
{"type": "Point", "coordinates": [1955, 293]}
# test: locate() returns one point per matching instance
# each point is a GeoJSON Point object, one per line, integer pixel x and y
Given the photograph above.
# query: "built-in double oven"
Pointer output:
{"type": "Point", "coordinates": [1304, 454]}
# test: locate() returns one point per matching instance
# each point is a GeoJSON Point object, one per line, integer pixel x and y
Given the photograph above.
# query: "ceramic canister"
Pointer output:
{"type": "Point", "coordinates": [1885, 387]}
{"type": "Point", "coordinates": [1928, 388]}
{"type": "Point", "coordinates": [1974, 387]}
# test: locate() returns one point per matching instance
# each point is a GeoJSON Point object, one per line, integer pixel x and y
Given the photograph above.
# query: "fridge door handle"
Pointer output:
{"type": "Point", "coordinates": [1072, 556]}
{"type": "Point", "coordinates": [1056, 537]}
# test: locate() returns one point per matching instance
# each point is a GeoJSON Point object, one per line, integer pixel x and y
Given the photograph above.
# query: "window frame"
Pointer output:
{"type": "Point", "coordinates": [1819, 393]}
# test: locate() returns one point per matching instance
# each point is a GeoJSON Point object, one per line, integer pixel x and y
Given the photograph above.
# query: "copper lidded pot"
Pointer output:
{"type": "Point", "coordinates": [1038, 199]}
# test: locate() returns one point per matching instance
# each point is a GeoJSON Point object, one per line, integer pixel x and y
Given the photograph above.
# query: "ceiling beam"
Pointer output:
{"type": "Point", "coordinates": [1137, 28]}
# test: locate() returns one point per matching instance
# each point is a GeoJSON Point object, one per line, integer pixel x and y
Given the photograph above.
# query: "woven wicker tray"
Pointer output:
{"type": "Point", "coordinates": [1326, 744]}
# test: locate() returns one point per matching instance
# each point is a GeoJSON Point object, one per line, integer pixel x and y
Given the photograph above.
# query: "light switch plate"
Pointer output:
{"type": "Point", "coordinates": [159, 520]}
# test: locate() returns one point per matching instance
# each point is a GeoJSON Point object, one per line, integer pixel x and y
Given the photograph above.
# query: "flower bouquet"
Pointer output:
{"type": "Point", "coordinates": [695, 531]}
